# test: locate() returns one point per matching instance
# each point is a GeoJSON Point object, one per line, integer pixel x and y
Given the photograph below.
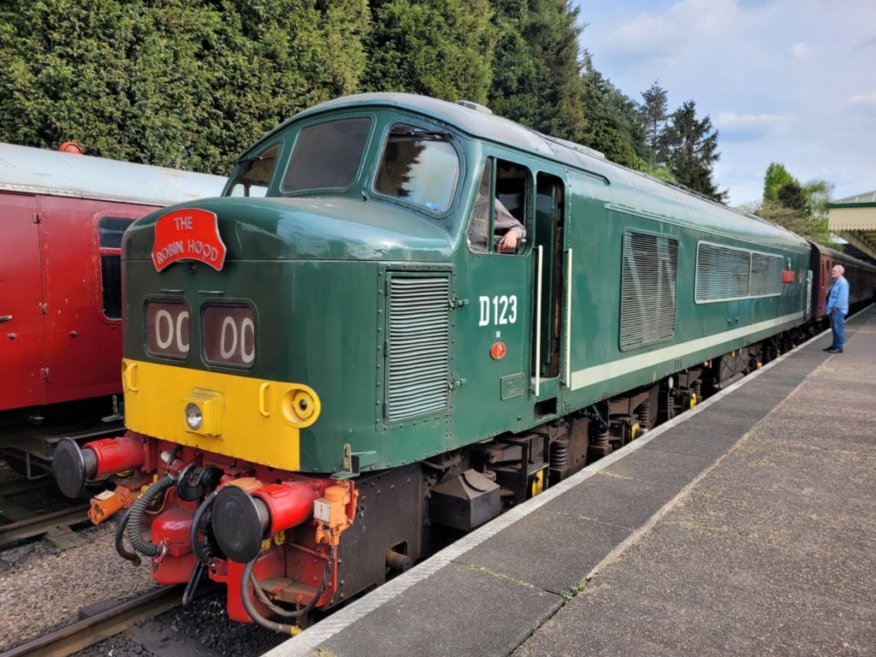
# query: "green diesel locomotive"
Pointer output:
{"type": "Point", "coordinates": [403, 316]}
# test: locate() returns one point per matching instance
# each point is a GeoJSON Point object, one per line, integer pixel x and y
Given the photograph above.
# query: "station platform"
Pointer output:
{"type": "Point", "coordinates": [744, 527]}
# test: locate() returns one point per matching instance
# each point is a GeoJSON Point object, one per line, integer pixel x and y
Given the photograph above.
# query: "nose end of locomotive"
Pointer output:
{"type": "Point", "coordinates": [72, 467]}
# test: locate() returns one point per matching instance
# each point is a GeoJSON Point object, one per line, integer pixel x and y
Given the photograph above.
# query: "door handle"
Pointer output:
{"type": "Point", "coordinates": [5, 318]}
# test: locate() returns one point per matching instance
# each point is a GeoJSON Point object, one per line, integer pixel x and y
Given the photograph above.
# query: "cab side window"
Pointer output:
{"type": "Point", "coordinates": [499, 217]}
{"type": "Point", "coordinates": [252, 176]}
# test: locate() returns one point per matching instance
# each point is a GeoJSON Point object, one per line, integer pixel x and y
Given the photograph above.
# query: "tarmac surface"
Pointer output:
{"type": "Point", "coordinates": [746, 527]}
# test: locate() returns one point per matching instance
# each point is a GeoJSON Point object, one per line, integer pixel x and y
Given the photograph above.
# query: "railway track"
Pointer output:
{"type": "Point", "coordinates": [33, 507]}
{"type": "Point", "coordinates": [105, 623]}
{"type": "Point", "coordinates": [58, 523]}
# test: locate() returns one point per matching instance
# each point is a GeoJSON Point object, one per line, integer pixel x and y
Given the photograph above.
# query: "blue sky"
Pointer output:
{"type": "Point", "coordinates": [790, 81]}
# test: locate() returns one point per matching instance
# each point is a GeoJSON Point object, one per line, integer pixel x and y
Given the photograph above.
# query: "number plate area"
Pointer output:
{"type": "Point", "coordinates": [228, 333]}
{"type": "Point", "coordinates": [167, 329]}
{"type": "Point", "coordinates": [229, 336]}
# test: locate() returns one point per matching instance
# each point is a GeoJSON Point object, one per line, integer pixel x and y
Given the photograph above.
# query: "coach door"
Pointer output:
{"type": "Point", "coordinates": [21, 305]}
{"type": "Point", "coordinates": [549, 291]}
{"type": "Point", "coordinates": [807, 311]}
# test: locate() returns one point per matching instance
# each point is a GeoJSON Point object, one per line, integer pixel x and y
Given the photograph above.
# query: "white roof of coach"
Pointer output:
{"type": "Point", "coordinates": [39, 171]}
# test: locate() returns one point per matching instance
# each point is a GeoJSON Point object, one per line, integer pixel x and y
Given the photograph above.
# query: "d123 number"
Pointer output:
{"type": "Point", "coordinates": [498, 310]}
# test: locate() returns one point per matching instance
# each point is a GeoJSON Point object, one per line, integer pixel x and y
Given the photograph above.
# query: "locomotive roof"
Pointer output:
{"type": "Point", "coordinates": [661, 199]}
{"type": "Point", "coordinates": [476, 123]}
{"type": "Point", "coordinates": [40, 171]}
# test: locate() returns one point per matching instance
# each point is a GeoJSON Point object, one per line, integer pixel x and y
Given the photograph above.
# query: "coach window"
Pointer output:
{"type": "Point", "coordinates": [109, 232]}
{"type": "Point", "coordinates": [253, 174]}
{"type": "Point", "coordinates": [499, 215]}
{"type": "Point", "coordinates": [419, 166]}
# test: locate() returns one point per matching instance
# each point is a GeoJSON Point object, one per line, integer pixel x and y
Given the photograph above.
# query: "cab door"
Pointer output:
{"type": "Point", "coordinates": [21, 305]}
{"type": "Point", "coordinates": [494, 330]}
{"type": "Point", "coordinates": [549, 286]}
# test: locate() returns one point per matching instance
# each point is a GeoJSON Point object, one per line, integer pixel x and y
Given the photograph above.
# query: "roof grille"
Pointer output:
{"type": "Point", "coordinates": [418, 354]}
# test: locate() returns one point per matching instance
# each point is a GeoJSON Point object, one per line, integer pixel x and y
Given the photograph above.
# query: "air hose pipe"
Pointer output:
{"type": "Point", "coordinates": [135, 533]}
{"type": "Point", "coordinates": [200, 523]}
{"type": "Point", "coordinates": [123, 551]}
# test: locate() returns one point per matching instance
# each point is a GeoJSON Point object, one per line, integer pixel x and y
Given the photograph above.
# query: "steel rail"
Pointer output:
{"type": "Point", "coordinates": [109, 622]}
{"type": "Point", "coordinates": [42, 523]}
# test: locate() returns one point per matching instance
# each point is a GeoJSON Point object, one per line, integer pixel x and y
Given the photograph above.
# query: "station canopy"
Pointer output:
{"type": "Point", "coordinates": [854, 219]}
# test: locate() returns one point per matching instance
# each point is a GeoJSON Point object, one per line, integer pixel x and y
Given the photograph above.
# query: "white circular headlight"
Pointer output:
{"type": "Point", "coordinates": [194, 417]}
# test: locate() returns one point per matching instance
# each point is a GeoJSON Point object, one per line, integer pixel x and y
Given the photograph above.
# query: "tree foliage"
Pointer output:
{"type": "Point", "coordinates": [654, 109]}
{"type": "Point", "coordinates": [440, 48]}
{"type": "Point", "coordinates": [776, 177]}
{"type": "Point", "coordinates": [614, 123]}
{"type": "Point", "coordinates": [191, 83]}
{"type": "Point", "coordinates": [183, 83]}
{"type": "Point", "coordinates": [799, 208]}
{"type": "Point", "coordinates": [536, 72]}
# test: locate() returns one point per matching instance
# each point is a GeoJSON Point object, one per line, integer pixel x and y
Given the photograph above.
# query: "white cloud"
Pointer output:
{"type": "Point", "coordinates": [864, 99]}
{"type": "Point", "coordinates": [730, 122]}
{"type": "Point", "coordinates": [800, 50]}
{"type": "Point", "coordinates": [650, 33]}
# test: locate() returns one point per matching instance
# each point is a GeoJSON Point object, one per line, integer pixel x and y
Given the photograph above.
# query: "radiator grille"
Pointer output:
{"type": "Point", "coordinates": [648, 289]}
{"type": "Point", "coordinates": [722, 273]}
{"type": "Point", "coordinates": [418, 354]}
{"type": "Point", "coordinates": [766, 274]}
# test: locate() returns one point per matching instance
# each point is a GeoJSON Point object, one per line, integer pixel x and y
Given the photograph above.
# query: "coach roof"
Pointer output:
{"type": "Point", "coordinates": [39, 171]}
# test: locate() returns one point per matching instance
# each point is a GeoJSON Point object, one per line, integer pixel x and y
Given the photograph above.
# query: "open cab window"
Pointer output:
{"type": "Point", "coordinates": [252, 175]}
{"type": "Point", "coordinates": [499, 218]}
{"type": "Point", "coordinates": [420, 166]}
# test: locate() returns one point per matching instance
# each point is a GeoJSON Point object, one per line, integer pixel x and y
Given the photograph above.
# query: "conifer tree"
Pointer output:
{"type": "Point", "coordinates": [537, 72]}
{"type": "Point", "coordinates": [799, 208]}
{"type": "Point", "coordinates": [654, 113]}
{"type": "Point", "coordinates": [614, 123]}
{"type": "Point", "coordinates": [688, 146]}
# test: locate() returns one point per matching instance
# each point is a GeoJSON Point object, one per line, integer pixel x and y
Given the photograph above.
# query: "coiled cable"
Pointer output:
{"type": "Point", "coordinates": [283, 628]}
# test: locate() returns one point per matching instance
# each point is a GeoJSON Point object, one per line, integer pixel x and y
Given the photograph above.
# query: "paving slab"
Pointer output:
{"type": "Point", "coordinates": [554, 549]}
{"type": "Point", "coordinates": [458, 611]}
{"type": "Point", "coordinates": [618, 500]}
{"type": "Point", "coordinates": [656, 464]}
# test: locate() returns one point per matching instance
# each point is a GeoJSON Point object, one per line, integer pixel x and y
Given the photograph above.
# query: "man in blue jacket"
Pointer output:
{"type": "Point", "coordinates": [837, 308]}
